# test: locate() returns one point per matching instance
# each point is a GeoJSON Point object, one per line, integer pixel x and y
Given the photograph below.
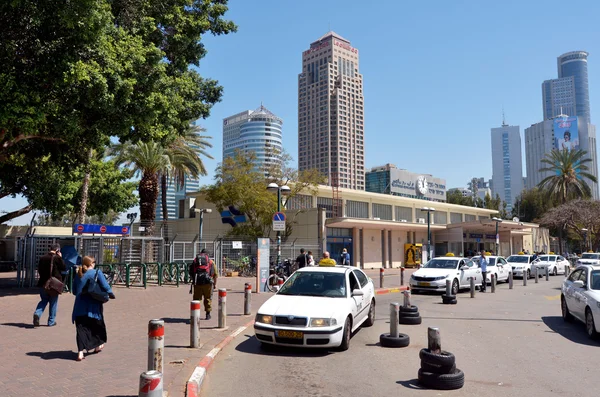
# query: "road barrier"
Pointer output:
{"type": "Point", "coordinates": [567, 271]}
{"type": "Point", "coordinates": [156, 345]}
{"type": "Point", "coordinates": [537, 280]}
{"type": "Point", "coordinates": [402, 276]}
{"type": "Point", "coordinates": [151, 384]}
{"type": "Point", "coordinates": [472, 285]}
{"type": "Point", "coordinates": [247, 298]}
{"type": "Point", "coordinates": [394, 319]}
{"type": "Point", "coordinates": [394, 338]}
{"type": "Point", "coordinates": [448, 287]}
{"type": "Point", "coordinates": [381, 276]}
{"type": "Point", "coordinates": [438, 368]}
{"type": "Point", "coordinates": [493, 283]}
{"type": "Point", "coordinates": [195, 324]}
{"type": "Point", "coordinates": [406, 298]}
{"type": "Point", "coordinates": [510, 280]}
{"type": "Point", "coordinates": [547, 273]}
{"type": "Point", "coordinates": [222, 308]}
{"type": "Point", "coordinates": [524, 277]}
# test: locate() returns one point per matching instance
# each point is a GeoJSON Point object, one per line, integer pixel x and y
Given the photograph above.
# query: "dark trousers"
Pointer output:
{"type": "Point", "coordinates": [483, 284]}
{"type": "Point", "coordinates": [204, 292]}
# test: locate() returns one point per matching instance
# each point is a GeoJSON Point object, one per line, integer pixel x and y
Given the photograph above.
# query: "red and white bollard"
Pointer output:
{"type": "Point", "coordinates": [247, 298]}
{"type": "Point", "coordinates": [156, 345]}
{"type": "Point", "coordinates": [279, 283]}
{"type": "Point", "coordinates": [195, 324]}
{"type": "Point", "coordinates": [222, 307]}
{"type": "Point", "coordinates": [381, 276]}
{"type": "Point", "coordinates": [151, 384]}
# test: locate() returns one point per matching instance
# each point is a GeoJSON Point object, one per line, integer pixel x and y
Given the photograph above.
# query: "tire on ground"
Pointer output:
{"type": "Point", "coordinates": [386, 340]}
{"type": "Point", "coordinates": [408, 314]}
{"type": "Point", "coordinates": [410, 320]}
{"type": "Point", "coordinates": [444, 358]}
{"type": "Point", "coordinates": [409, 309]}
{"type": "Point", "coordinates": [437, 369]}
{"type": "Point", "coordinates": [451, 381]}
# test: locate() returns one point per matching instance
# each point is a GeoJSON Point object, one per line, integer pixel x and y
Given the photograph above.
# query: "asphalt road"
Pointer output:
{"type": "Point", "coordinates": [511, 343]}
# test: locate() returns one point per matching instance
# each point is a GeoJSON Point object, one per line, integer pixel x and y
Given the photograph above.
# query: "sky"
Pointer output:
{"type": "Point", "coordinates": [437, 74]}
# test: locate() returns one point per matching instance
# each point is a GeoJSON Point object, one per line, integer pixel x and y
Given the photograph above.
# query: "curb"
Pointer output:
{"type": "Point", "coordinates": [383, 291]}
{"type": "Point", "coordinates": [194, 383]}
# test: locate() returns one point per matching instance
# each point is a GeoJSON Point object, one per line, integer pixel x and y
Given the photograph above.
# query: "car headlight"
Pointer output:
{"type": "Point", "coordinates": [322, 322]}
{"type": "Point", "coordinates": [440, 278]}
{"type": "Point", "coordinates": [264, 318]}
{"type": "Point", "coordinates": [412, 276]}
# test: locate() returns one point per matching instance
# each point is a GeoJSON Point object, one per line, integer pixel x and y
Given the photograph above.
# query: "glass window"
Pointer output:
{"type": "Point", "coordinates": [362, 278]}
{"type": "Point", "coordinates": [315, 284]}
{"type": "Point", "coordinates": [354, 284]}
{"type": "Point", "coordinates": [575, 275]}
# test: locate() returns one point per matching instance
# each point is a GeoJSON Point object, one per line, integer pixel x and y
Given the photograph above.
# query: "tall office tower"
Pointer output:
{"type": "Point", "coordinates": [558, 97]}
{"type": "Point", "coordinates": [331, 112]}
{"type": "Point", "coordinates": [539, 140]}
{"type": "Point", "coordinates": [574, 64]}
{"type": "Point", "coordinates": [258, 131]}
{"type": "Point", "coordinates": [507, 166]}
{"type": "Point", "coordinates": [176, 198]}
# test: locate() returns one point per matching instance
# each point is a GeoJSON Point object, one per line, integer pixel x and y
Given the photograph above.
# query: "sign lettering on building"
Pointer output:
{"type": "Point", "coordinates": [404, 183]}
{"type": "Point", "coordinates": [345, 46]}
{"type": "Point", "coordinates": [316, 48]}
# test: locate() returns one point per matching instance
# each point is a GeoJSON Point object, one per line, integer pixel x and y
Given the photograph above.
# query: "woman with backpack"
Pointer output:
{"type": "Point", "coordinates": [203, 276]}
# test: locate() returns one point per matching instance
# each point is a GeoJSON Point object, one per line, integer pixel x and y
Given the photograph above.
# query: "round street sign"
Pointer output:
{"type": "Point", "coordinates": [125, 230]}
{"type": "Point", "coordinates": [102, 229]}
{"type": "Point", "coordinates": [80, 228]}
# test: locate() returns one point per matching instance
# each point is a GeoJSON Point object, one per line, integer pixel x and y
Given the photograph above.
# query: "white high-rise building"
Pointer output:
{"type": "Point", "coordinates": [331, 112]}
{"type": "Point", "coordinates": [507, 166]}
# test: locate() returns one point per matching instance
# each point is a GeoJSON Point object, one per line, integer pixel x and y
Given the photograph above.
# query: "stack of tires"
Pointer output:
{"type": "Point", "coordinates": [409, 315]}
{"type": "Point", "coordinates": [448, 299]}
{"type": "Point", "coordinates": [438, 371]}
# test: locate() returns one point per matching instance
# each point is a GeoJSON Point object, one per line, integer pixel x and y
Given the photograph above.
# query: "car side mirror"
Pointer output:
{"type": "Point", "coordinates": [464, 267]}
{"type": "Point", "coordinates": [578, 284]}
{"type": "Point", "coordinates": [357, 292]}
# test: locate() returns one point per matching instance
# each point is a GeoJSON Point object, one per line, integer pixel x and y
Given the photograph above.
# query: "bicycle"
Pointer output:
{"type": "Point", "coordinates": [280, 271]}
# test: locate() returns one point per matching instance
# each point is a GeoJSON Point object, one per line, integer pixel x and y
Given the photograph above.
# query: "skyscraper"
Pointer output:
{"type": "Point", "coordinates": [176, 197]}
{"type": "Point", "coordinates": [507, 166]}
{"type": "Point", "coordinates": [258, 131]}
{"type": "Point", "coordinates": [574, 64]}
{"type": "Point", "coordinates": [331, 112]}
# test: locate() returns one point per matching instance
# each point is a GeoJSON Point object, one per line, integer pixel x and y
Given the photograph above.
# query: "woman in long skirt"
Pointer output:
{"type": "Point", "coordinates": [88, 312]}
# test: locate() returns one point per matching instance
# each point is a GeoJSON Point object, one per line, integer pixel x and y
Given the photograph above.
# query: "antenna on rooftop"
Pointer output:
{"type": "Point", "coordinates": [503, 118]}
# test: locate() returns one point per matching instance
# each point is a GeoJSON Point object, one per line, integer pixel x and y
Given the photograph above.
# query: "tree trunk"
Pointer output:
{"type": "Point", "coordinates": [85, 188]}
{"type": "Point", "coordinates": [15, 214]}
{"type": "Point", "coordinates": [165, 210]}
{"type": "Point", "coordinates": [148, 190]}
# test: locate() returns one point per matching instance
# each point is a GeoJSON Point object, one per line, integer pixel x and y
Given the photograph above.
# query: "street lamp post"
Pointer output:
{"type": "Point", "coordinates": [280, 190]}
{"type": "Point", "coordinates": [201, 211]}
{"type": "Point", "coordinates": [497, 220]}
{"type": "Point", "coordinates": [429, 211]}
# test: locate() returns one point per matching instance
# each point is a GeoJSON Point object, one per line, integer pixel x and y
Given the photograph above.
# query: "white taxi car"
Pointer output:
{"type": "Point", "coordinates": [433, 275]}
{"type": "Point", "coordinates": [520, 264]}
{"type": "Point", "coordinates": [580, 298]}
{"type": "Point", "coordinates": [556, 264]}
{"type": "Point", "coordinates": [497, 266]}
{"type": "Point", "coordinates": [589, 258]}
{"type": "Point", "coordinates": [317, 307]}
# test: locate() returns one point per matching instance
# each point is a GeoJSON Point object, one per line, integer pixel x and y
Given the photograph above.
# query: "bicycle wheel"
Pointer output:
{"type": "Point", "coordinates": [271, 283]}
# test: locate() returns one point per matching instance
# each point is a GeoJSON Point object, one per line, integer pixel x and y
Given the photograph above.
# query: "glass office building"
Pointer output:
{"type": "Point", "coordinates": [574, 64]}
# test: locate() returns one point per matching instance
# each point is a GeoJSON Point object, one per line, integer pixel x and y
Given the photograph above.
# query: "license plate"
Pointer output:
{"type": "Point", "coordinates": [424, 284]}
{"type": "Point", "coordinates": [289, 334]}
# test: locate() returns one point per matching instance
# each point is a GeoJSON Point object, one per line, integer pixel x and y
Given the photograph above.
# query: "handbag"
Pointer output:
{"type": "Point", "coordinates": [53, 286]}
{"type": "Point", "coordinates": [95, 290]}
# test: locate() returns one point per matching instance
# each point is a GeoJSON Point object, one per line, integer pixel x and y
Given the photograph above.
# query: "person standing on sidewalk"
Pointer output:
{"type": "Point", "coordinates": [345, 258]}
{"type": "Point", "coordinates": [50, 263]}
{"type": "Point", "coordinates": [326, 260]}
{"type": "Point", "coordinates": [483, 265]}
{"type": "Point", "coordinates": [204, 278]}
{"type": "Point", "coordinates": [302, 259]}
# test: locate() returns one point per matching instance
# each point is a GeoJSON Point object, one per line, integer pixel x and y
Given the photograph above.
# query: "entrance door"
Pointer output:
{"type": "Point", "coordinates": [335, 245]}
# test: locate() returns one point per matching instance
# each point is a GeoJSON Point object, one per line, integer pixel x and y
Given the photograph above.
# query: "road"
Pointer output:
{"type": "Point", "coordinates": [512, 343]}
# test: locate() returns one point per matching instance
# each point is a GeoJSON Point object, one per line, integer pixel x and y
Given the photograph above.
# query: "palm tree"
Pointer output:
{"type": "Point", "coordinates": [148, 159]}
{"type": "Point", "coordinates": [185, 157]}
{"type": "Point", "coordinates": [568, 169]}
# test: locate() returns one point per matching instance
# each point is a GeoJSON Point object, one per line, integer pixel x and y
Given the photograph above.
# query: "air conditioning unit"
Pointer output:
{"type": "Point", "coordinates": [421, 220]}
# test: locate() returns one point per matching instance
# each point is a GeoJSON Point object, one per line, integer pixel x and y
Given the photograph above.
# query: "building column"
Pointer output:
{"type": "Point", "coordinates": [390, 262]}
{"type": "Point", "coordinates": [383, 244]}
{"type": "Point", "coordinates": [355, 247]}
{"type": "Point", "coordinates": [362, 247]}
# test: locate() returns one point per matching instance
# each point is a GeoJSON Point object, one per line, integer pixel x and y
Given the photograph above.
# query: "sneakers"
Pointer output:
{"type": "Point", "coordinates": [208, 316]}
{"type": "Point", "coordinates": [36, 320]}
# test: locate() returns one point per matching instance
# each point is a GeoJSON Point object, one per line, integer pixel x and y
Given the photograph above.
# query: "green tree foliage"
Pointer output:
{"type": "Point", "coordinates": [239, 183]}
{"type": "Point", "coordinates": [568, 169]}
{"type": "Point", "coordinates": [531, 205]}
{"type": "Point", "coordinates": [456, 197]}
{"type": "Point", "coordinates": [575, 216]}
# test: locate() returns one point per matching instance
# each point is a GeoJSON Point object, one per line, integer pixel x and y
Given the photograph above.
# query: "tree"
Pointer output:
{"type": "Point", "coordinates": [456, 197]}
{"type": "Point", "coordinates": [575, 216]}
{"type": "Point", "coordinates": [568, 169]}
{"type": "Point", "coordinates": [238, 182]}
{"type": "Point", "coordinates": [531, 205]}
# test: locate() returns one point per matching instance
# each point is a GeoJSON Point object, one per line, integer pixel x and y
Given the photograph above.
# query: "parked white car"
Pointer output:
{"type": "Point", "coordinates": [556, 264]}
{"type": "Point", "coordinates": [317, 307]}
{"type": "Point", "coordinates": [589, 258]}
{"type": "Point", "coordinates": [580, 298]}
{"type": "Point", "coordinates": [433, 275]}
{"type": "Point", "coordinates": [520, 264]}
{"type": "Point", "coordinates": [497, 266]}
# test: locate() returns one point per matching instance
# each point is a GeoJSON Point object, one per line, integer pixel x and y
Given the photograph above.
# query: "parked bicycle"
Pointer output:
{"type": "Point", "coordinates": [280, 271]}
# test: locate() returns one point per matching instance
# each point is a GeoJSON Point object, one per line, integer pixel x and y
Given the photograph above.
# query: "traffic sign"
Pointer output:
{"type": "Point", "coordinates": [125, 230]}
{"type": "Point", "coordinates": [478, 240]}
{"type": "Point", "coordinates": [102, 229]}
{"type": "Point", "coordinates": [279, 222]}
{"type": "Point", "coordinates": [279, 216]}
{"type": "Point", "coordinates": [80, 228]}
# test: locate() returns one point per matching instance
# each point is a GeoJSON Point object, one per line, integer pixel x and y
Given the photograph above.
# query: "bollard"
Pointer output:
{"type": "Point", "coordinates": [524, 277]}
{"type": "Point", "coordinates": [222, 308]}
{"type": "Point", "coordinates": [472, 281]}
{"type": "Point", "coordinates": [151, 384]}
{"type": "Point", "coordinates": [547, 273]}
{"type": "Point", "coordinates": [536, 275]}
{"type": "Point", "coordinates": [394, 319]}
{"type": "Point", "coordinates": [247, 298]}
{"type": "Point", "coordinates": [156, 345]}
{"type": "Point", "coordinates": [401, 276]}
{"type": "Point", "coordinates": [567, 270]}
{"type": "Point", "coordinates": [406, 298]}
{"type": "Point", "coordinates": [195, 324]}
{"type": "Point", "coordinates": [434, 342]}
{"type": "Point", "coordinates": [279, 283]}
{"type": "Point", "coordinates": [493, 282]}
{"type": "Point", "coordinates": [381, 275]}
{"type": "Point", "coordinates": [448, 287]}
{"type": "Point", "coordinates": [510, 280]}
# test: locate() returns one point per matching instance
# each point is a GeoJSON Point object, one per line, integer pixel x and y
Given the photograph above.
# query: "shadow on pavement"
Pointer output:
{"type": "Point", "coordinates": [411, 384]}
{"type": "Point", "coordinates": [55, 355]}
{"type": "Point", "coordinates": [252, 346]}
{"type": "Point", "coordinates": [483, 319]}
{"type": "Point", "coordinates": [6, 290]}
{"type": "Point", "coordinates": [19, 325]}
{"type": "Point", "coordinates": [575, 331]}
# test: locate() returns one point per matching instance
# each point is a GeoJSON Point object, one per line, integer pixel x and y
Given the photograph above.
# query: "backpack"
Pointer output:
{"type": "Point", "coordinates": [201, 270]}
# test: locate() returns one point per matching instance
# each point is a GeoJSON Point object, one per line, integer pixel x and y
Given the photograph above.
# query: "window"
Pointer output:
{"type": "Point", "coordinates": [575, 275]}
{"type": "Point", "coordinates": [362, 279]}
{"type": "Point", "coordinates": [382, 211]}
{"type": "Point", "coordinates": [354, 284]}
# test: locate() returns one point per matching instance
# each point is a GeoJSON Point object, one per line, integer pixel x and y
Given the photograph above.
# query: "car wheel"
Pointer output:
{"type": "Point", "coordinates": [455, 287]}
{"type": "Point", "coordinates": [528, 274]}
{"type": "Point", "coordinates": [371, 318]}
{"type": "Point", "coordinates": [589, 324]}
{"type": "Point", "coordinates": [566, 314]}
{"type": "Point", "coordinates": [555, 272]}
{"type": "Point", "coordinates": [347, 334]}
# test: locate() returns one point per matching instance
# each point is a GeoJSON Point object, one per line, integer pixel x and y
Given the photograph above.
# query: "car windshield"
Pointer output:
{"type": "Point", "coordinates": [546, 258]}
{"type": "Point", "coordinates": [440, 263]}
{"type": "Point", "coordinates": [518, 259]}
{"type": "Point", "coordinates": [590, 256]}
{"type": "Point", "coordinates": [315, 284]}
{"type": "Point", "coordinates": [595, 279]}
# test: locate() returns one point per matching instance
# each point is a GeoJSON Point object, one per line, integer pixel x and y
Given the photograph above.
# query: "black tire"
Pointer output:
{"type": "Point", "coordinates": [409, 309]}
{"type": "Point", "coordinates": [386, 340]}
{"type": "Point", "coordinates": [346, 336]}
{"type": "Point", "coordinates": [451, 381]}
{"type": "Point", "coordinates": [566, 314]}
{"type": "Point", "coordinates": [448, 299]}
{"type": "Point", "coordinates": [443, 359]}
{"type": "Point", "coordinates": [371, 318]}
{"type": "Point", "coordinates": [410, 320]}
{"type": "Point", "coordinates": [407, 315]}
{"type": "Point", "coordinates": [590, 326]}
{"type": "Point", "coordinates": [438, 369]}
{"type": "Point", "coordinates": [455, 287]}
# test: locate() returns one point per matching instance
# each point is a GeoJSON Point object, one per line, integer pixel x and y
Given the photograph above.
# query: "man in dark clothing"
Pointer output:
{"type": "Point", "coordinates": [203, 276]}
{"type": "Point", "coordinates": [52, 259]}
{"type": "Point", "coordinates": [302, 259]}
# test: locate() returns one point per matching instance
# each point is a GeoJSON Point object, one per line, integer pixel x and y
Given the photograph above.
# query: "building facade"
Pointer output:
{"type": "Point", "coordinates": [507, 165]}
{"type": "Point", "coordinates": [331, 112]}
{"type": "Point", "coordinates": [258, 131]}
{"type": "Point", "coordinates": [558, 97]}
{"type": "Point", "coordinates": [176, 198]}
{"type": "Point", "coordinates": [574, 64]}
{"type": "Point", "coordinates": [388, 179]}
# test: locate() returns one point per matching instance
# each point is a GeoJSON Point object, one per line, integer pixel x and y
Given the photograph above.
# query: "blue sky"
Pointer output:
{"type": "Point", "coordinates": [436, 73]}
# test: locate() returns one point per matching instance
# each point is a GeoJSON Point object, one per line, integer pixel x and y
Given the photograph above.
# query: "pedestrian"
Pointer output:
{"type": "Point", "coordinates": [88, 309]}
{"type": "Point", "coordinates": [302, 259]}
{"type": "Point", "coordinates": [326, 260]}
{"type": "Point", "coordinates": [483, 265]}
{"type": "Point", "coordinates": [345, 258]}
{"type": "Point", "coordinates": [311, 259]}
{"type": "Point", "coordinates": [50, 265]}
{"type": "Point", "coordinates": [203, 278]}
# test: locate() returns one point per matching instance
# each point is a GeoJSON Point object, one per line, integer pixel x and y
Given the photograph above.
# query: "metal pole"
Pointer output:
{"type": "Point", "coordinates": [496, 237]}
{"type": "Point", "coordinates": [510, 280]}
{"type": "Point", "coordinates": [151, 384]}
{"type": "Point", "coordinates": [200, 232]}
{"type": "Point", "coordinates": [222, 307]}
{"type": "Point", "coordinates": [472, 285]}
{"type": "Point", "coordinates": [448, 287]}
{"type": "Point", "coordinates": [406, 298]}
{"type": "Point", "coordinates": [247, 298]}
{"type": "Point", "coordinates": [493, 282]}
{"type": "Point", "coordinates": [156, 345]}
{"type": "Point", "coordinates": [278, 232]}
{"type": "Point", "coordinates": [547, 273]}
{"type": "Point", "coordinates": [567, 270]}
{"type": "Point", "coordinates": [524, 277]}
{"type": "Point", "coordinates": [536, 275]}
{"type": "Point", "coordinates": [381, 275]}
{"type": "Point", "coordinates": [402, 276]}
{"type": "Point", "coordinates": [434, 341]}
{"type": "Point", "coordinates": [394, 319]}
{"type": "Point", "coordinates": [195, 324]}
{"type": "Point", "coordinates": [428, 235]}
